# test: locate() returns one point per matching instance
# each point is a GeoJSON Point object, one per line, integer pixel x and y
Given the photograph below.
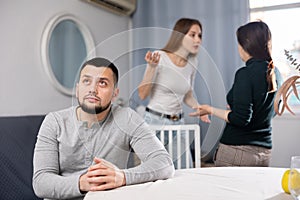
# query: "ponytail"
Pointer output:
{"type": "Point", "coordinates": [271, 77]}
{"type": "Point", "coordinates": [255, 39]}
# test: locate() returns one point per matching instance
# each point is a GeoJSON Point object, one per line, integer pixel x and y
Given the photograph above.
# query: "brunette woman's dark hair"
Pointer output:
{"type": "Point", "coordinates": [255, 39]}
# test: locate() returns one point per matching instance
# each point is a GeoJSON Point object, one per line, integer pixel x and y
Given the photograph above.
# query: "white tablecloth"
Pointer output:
{"type": "Point", "coordinates": [232, 183]}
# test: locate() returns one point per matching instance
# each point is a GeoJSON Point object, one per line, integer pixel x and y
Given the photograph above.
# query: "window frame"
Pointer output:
{"type": "Point", "coordinates": [283, 6]}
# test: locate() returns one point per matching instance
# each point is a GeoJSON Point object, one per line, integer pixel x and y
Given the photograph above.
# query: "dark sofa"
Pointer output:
{"type": "Point", "coordinates": [17, 140]}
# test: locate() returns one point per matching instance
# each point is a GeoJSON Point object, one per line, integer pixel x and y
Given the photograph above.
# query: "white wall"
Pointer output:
{"type": "Point", "coordinates": [24, 87]}
{"type": "Point", "coordinates": [286, 139]}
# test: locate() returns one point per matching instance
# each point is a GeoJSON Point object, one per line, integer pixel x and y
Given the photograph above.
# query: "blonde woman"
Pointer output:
{"type": "Point", "coordinates": [169, 76]}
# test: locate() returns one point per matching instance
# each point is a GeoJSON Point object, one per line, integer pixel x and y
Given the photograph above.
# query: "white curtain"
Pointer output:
{"type": "Point", "coordinates": [218, 57]}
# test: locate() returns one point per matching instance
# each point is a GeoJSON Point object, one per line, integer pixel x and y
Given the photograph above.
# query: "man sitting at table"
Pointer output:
{"type": "Point", "coordinates": [86, 147]}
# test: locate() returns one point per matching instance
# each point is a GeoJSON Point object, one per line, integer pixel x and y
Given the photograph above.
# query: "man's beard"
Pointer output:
{"type": "Point", "coordinates": [94, 110]}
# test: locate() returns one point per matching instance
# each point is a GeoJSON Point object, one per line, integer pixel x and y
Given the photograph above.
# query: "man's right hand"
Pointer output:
{"type": "Point", "coordinates": [84, 185]}
{"type": "Point", "coordinates": [102, 175]}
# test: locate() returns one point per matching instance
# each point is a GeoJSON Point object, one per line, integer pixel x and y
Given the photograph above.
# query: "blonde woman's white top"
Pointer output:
{"type": "Point", "coordinates": [170, 84]}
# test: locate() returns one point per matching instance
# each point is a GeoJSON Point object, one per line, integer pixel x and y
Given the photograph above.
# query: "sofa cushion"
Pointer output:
{"type": "Point", "coordinates": [17, 141]}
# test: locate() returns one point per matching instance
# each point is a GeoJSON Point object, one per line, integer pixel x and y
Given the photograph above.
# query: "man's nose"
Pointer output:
{"type": "Point", "coordinates": [93, 88]}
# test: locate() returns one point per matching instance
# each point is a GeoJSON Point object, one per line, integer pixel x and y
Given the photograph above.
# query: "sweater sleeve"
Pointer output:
{"type": "Point", "coordinates": [241, 105]}
{"type": "Point", "coordinates": [47, 182]}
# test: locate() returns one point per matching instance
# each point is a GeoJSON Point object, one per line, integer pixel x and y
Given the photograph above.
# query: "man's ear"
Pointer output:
{"type": "Point", "coordinates": [115, 94]}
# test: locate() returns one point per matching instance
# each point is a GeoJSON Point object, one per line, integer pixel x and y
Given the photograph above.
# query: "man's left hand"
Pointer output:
{"type": "Point", "coordinates": [104, 175]}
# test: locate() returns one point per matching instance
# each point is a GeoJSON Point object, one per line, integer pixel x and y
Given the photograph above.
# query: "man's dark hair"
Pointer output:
{"type": "Point", "coordinates": [102, 62]}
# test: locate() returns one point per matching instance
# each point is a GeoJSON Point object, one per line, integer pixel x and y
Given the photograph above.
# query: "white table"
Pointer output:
{"type": "Point", "coordinates": [232, 183]}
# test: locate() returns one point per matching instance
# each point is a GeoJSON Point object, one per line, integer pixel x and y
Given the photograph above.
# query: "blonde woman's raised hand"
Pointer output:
{"type": "Point", "coordinates": [152, 58]}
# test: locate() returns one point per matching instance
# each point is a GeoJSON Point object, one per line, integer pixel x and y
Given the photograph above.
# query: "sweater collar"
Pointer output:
{"type": "Point", "coordinates": [96, 124]}
{"type": "Point", "coordinates": [252, 60]}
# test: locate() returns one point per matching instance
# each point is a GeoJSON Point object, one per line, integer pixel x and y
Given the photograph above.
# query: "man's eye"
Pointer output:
{"type": "Point", "coordinates": [102, 83]}
{"type": "Point", "coordinates": [85, 81]}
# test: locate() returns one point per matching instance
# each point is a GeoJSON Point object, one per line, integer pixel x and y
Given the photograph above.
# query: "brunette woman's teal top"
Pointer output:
{"type": "Point", "coordinates": [251, 106]}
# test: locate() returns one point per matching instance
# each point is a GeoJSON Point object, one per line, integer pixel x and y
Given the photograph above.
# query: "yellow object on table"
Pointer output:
{"type": "Point", "coordinates": [294, 180]}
